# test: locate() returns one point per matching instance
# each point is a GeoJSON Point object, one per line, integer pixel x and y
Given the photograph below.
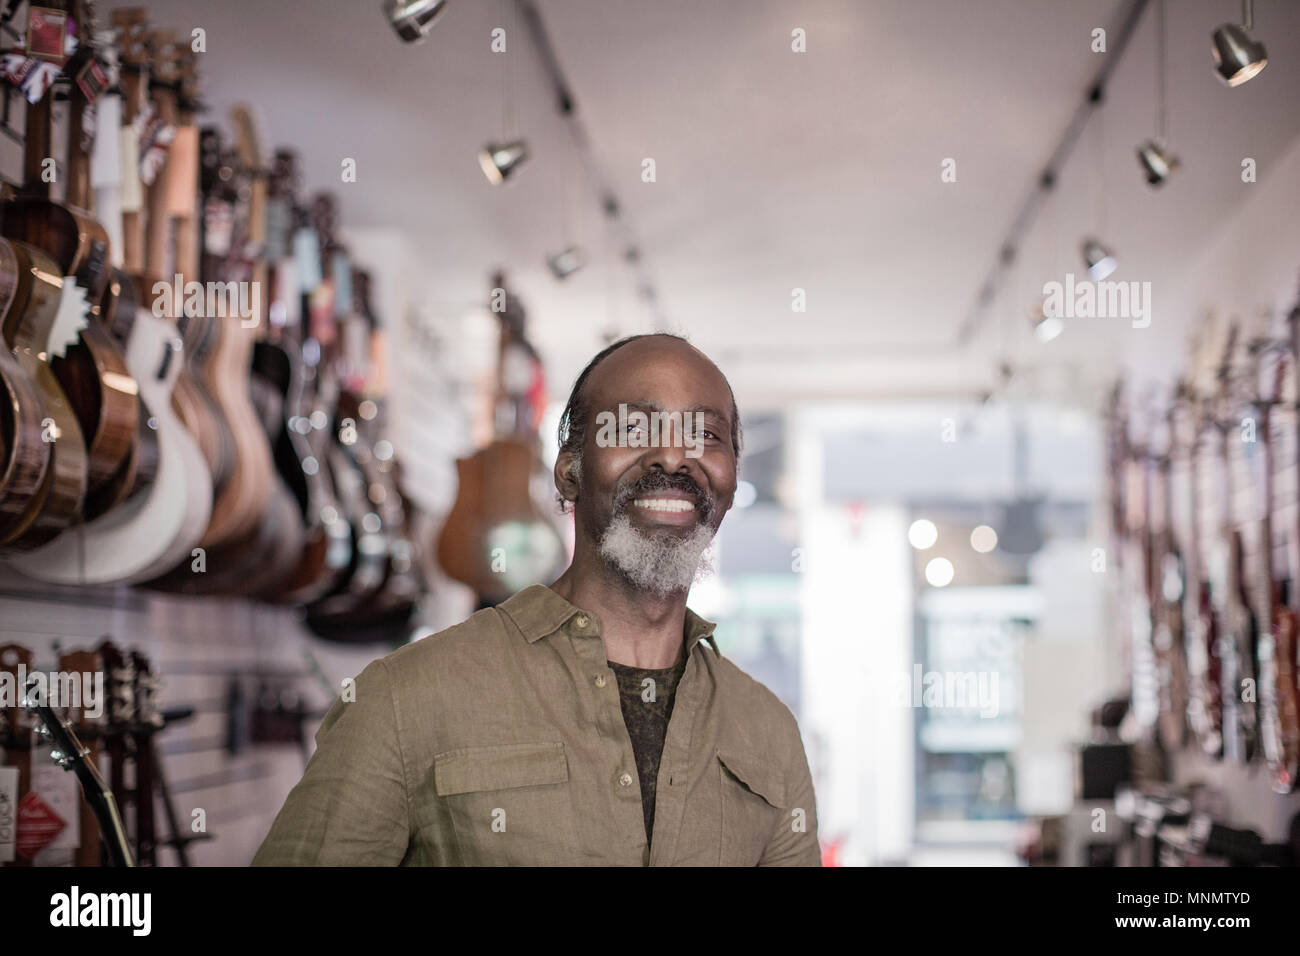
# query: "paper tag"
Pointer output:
{"type": "Point", "coordinates": [46, 31]}
{"type": "Point", "coordinates": [8, 813]}
{"type": "Point", "coordinates": [37, 825]}
{"type": "Point", "coordinates": [59, 789]}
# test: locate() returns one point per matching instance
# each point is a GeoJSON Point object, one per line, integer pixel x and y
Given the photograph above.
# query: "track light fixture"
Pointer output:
{"type": "Point", "coordinates": [1157, 161]}
{"type": "Point", "coordinates": [413, 19]}
{"type": "Point", "coordinates": [1099, 259]}
{"type": "Point", "coordinates": [1154, 156]}
{"type": "Point", "coordinates": [1238, 56]}
{"type": "Point", "coordinates": [566, 262]}
{"type": "Point", "coordinates": [499, 160]}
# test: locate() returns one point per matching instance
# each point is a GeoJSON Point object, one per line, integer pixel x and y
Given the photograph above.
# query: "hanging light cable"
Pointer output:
{"type": "Point", "coordinates": [1154, 155]}
{"type": "Point", "coordinates": [499, 160]}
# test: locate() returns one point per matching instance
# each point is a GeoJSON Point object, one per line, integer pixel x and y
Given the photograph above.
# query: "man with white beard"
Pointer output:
{"type": "Point", "coordinates": [585, 722]}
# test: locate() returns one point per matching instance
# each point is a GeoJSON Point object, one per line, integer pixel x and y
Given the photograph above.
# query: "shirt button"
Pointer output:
{"type": "Point", "coordinates": [625, 780]}
{"type": "Point", "coordinates": [600, 680]}
{"type": "Point", "coordinates": [581, 620]}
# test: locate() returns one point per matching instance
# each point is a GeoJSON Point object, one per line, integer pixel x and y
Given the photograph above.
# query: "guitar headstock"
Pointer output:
{"type": "Point", "coordinates": [286, 174]}
{"type": "Point", "coordinates": [187, 78]}
{"type": "Point", "coordinates": [146, 691]}
{"type": "Point", "coordinates": [15, 724]}
{"type": "Point", "coordinates": [131, 28]}
{"type": "Point", "coordinates": [164, 57]}
{"type": "Point", "coordinates": [324, 219]}
{"type": "Point", "coordinates": [86, 664]}
{"type": "Point", "coordinates": [249, 142]}
{"type": "Point", "coordinates": [119, 684]}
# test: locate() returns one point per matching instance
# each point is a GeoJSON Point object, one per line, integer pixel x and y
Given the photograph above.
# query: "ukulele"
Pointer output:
{"type": "Point", "coordinates": [496, 539]}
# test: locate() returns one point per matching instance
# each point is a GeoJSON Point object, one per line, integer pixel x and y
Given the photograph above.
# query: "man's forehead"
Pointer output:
{"type": "Point", "coordinates": [659, 373]}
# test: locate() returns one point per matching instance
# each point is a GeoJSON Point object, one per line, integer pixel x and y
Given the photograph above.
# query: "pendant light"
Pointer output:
{"type": "Point", "coordinates": [1098, 258]}
{"type": "Point", "coordinates": [499, 160]}
{"type": "Point", "coordinates": [413, 19]}
{"type": "Point", "coordinates": [1153, 155]}
{"type": "Point", "coordinates": [1238, 56]}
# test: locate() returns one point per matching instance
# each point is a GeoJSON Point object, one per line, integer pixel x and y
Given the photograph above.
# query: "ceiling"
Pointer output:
{"type": "Point", "coordinates": [775, 170]}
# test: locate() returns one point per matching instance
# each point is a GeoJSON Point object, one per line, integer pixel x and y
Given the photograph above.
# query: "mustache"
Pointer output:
{"type": "Point", "coordinates": [659, 481]}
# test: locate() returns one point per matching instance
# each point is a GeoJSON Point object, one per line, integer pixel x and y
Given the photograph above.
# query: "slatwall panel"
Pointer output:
{"type": "Point", "coordinates": [196, 645]}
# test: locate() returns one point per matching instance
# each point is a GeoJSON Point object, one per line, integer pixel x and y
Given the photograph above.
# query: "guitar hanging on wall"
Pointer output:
{"type": "Point", "coordinates": [496, 539]}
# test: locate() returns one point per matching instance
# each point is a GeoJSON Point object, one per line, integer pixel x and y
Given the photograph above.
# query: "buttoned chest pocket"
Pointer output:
{"type": "Point", "coordinates": [753, 803]}
{"type": "Point", "coordinates": [510, 804]}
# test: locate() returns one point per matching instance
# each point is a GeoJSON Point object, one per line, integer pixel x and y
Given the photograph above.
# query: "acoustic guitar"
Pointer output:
{"type": "Point", "coordinates": [91, 370]}
{"type": "Point", "coordinates": [496, 539]}
{"type": "Point", "coordinates": [39, 323]}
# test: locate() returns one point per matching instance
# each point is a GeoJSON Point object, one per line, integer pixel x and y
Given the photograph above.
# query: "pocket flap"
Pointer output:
{"type": "Point", "coordinates": [757, 776]}
{"type": "Point", "coordinates": [500, 767]}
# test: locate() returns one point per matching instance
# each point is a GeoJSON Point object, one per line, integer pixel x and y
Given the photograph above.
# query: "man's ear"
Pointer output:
{"type": "Point", "coordinates": [566, 475]}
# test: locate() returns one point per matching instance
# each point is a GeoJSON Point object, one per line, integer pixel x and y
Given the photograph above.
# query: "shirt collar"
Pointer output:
{"type": "Point", "coordinates": [538, 611]}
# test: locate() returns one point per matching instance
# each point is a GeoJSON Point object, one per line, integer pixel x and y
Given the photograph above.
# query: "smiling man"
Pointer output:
{"type": "Point", "coordinates": [592, 721]}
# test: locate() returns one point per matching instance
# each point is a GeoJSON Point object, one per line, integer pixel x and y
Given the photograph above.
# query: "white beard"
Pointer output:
{"type": "Point", "coordinates": [661, 564]}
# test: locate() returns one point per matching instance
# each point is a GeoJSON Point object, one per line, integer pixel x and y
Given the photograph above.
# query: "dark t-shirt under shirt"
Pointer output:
{"type": "Point", "coordinates": [646, 709]}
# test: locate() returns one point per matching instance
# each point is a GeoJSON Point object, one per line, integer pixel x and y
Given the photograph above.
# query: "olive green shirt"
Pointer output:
{"type": "Point", "coordinates": [501, 741]}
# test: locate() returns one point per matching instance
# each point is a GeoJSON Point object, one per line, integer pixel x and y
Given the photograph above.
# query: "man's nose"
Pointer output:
{"type": "Point", "coordinates": [668, 451]}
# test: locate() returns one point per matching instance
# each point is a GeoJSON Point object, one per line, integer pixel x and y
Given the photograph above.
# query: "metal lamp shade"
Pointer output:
{"type": "Point", "coordinates": [1099, 260]}
{"type": "Point", "coordinates": [1237, 56]}
{"type": "Point", "coordinates": [1156, 161]}
{"type": "Point", "coordinates": [413, 19]}
{"type": "Point", "coordinates": [499, 160]}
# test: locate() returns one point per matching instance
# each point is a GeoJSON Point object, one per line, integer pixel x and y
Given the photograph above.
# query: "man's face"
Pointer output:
{"type": "Point", "coordinates": [652, 510]}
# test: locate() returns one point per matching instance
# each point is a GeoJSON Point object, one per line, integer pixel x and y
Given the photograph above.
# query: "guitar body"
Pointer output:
{"type": "Point", "coordinates": [27, 328]}
{"type": "Point", "coordinates": [26, 460]}
{"type": "Point", "coordinates": [159, 525]}
{"type": "Point", "coordinates": [277, 383]}
{"type": "Point", "coordinates": [494, 509]}
{"type": "Point", "coordinates": [92, 370]}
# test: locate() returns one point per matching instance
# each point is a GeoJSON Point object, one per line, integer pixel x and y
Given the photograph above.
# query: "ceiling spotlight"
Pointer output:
{"type": "Point", "coordinates": [939, 572]}
{"type": "Point", "coordinates": [1046, 327]}
{"type": "Point", "coordinates": [499, 160]}
{"type": "Point", "coordinates": [1237, 55]}
{"type": "Point", "coordinates": [922, 534]}
{"type": "Point", "coordinates": [1099, 260]}
{"type": "Point", "coordinates": [1157, 161]}
{"type": "Point", "coordinates": [413, 19]}
{"type": "Point", "coordinates": [565, 263]}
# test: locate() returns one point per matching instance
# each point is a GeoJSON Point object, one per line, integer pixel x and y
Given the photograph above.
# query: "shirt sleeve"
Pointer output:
{"type": "Point", "coordinates": [794, 840]}
{"type": "Point", "coordinates": [351, 806]}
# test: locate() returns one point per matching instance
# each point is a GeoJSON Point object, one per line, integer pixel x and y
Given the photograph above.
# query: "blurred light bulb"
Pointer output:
{"type": "Point", "coordinates": [939, 572]}
{"type": "Point", "coordinates": [983, 539]}
{"type": "Point", "coordinates": [922, 534]}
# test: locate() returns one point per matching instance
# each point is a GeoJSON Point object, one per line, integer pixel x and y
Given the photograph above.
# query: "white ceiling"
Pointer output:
{"type": "Point", "coordinates": [776, 170]}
